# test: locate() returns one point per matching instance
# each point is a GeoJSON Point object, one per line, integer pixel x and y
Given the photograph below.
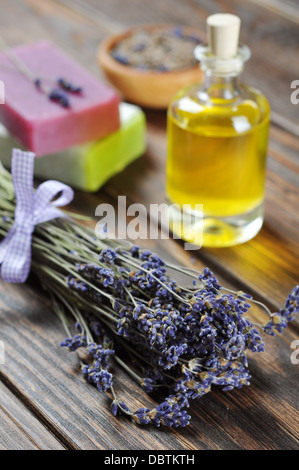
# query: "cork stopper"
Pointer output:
{"type": "Point", "coordinates": [223, 35]}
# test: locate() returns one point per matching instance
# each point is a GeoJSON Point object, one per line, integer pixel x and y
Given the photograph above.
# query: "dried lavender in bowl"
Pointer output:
{"type": "Point", "coordinates": [158, 50]}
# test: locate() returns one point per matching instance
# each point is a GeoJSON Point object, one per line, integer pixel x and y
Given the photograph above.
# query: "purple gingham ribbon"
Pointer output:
{"type": "Point", "coordinates": [32, 208]}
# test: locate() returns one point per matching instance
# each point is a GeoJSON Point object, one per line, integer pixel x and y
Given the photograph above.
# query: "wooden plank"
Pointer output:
{"type": "Point", "coordinates": [20, 429]}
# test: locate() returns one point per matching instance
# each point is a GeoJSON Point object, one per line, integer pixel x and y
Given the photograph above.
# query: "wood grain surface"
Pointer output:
{"type": "Point", "coordinates": [44, 401]}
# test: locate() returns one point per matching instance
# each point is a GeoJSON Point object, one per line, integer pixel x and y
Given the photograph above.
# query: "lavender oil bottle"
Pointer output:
{"type": "Point", "coordinates": [217, 145]}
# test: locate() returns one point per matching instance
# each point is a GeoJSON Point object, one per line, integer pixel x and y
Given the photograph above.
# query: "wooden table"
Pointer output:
{"type": "Point", "coordinates": [44, 402]}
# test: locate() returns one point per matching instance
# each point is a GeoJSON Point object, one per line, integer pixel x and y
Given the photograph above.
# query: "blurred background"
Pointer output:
{"type": "Point", "coordinates": [269, 28]}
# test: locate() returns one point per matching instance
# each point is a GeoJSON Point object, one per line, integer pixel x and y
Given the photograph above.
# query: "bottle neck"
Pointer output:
{"type": "Point", "coordinates": [217, 86]}
{"type": "Point", "coordinates": [219, 67]}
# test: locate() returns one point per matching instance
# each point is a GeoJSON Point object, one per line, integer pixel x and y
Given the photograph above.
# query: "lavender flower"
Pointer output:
{"type": "Point", "coordinates": [103, 276]}
{"type": "Point", "coordinates": [69, 86]}
{"type": "Point", "coordinates": [286, 314]}
{"type": "Point", "coordinates": [60, 97]}
{"type": "Point", "coordinates": [74, 343]}
{"type": "Point", "coordinates": [101, 378]}
{"type": "Point", "coordinates": [108, 256]}
{"type": "Point", "coordinates": [187, 341]}
{"type": "Point", "coordinates": [147, 384]}
{"type": "Point", "coordinates": [168, 413]}
{"type": "Point", "coordinates": [100, 354]}
{"type": "Point", "coordinates": [126, 310]}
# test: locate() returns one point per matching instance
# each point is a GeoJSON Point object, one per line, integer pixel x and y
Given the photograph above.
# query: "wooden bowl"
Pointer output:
{"type": "Point", "coordinates": [152, 89]}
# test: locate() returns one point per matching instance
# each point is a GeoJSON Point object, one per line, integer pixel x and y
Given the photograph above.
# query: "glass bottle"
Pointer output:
{"type": "Point", "coordinates": [217, 146]}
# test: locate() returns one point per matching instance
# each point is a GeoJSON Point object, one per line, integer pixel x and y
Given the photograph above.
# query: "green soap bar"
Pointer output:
{"type": "Point", "coordinates": [89, 166]}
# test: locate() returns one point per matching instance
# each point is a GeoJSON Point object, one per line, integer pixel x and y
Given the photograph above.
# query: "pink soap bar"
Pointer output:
{"type": "Point", "coordinates": [42, 125]}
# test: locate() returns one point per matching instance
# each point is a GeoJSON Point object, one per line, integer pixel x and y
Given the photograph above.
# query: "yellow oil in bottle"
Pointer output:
{"type": "Point", "coordinates": [217, 157]}
{"type": "Point", "coordinates": [217, 145]}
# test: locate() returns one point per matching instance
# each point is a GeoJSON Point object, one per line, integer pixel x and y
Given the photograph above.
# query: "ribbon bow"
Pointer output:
{"type": "Point", "coordinates": [32, 208]}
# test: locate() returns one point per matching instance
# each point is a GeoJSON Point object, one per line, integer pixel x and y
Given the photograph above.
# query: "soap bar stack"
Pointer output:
{"type": "Point", "coordinates": [82, 145]}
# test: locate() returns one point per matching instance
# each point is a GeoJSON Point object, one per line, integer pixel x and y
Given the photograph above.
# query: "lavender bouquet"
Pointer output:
{"type": "Point", "coordinates": [119, 303]}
